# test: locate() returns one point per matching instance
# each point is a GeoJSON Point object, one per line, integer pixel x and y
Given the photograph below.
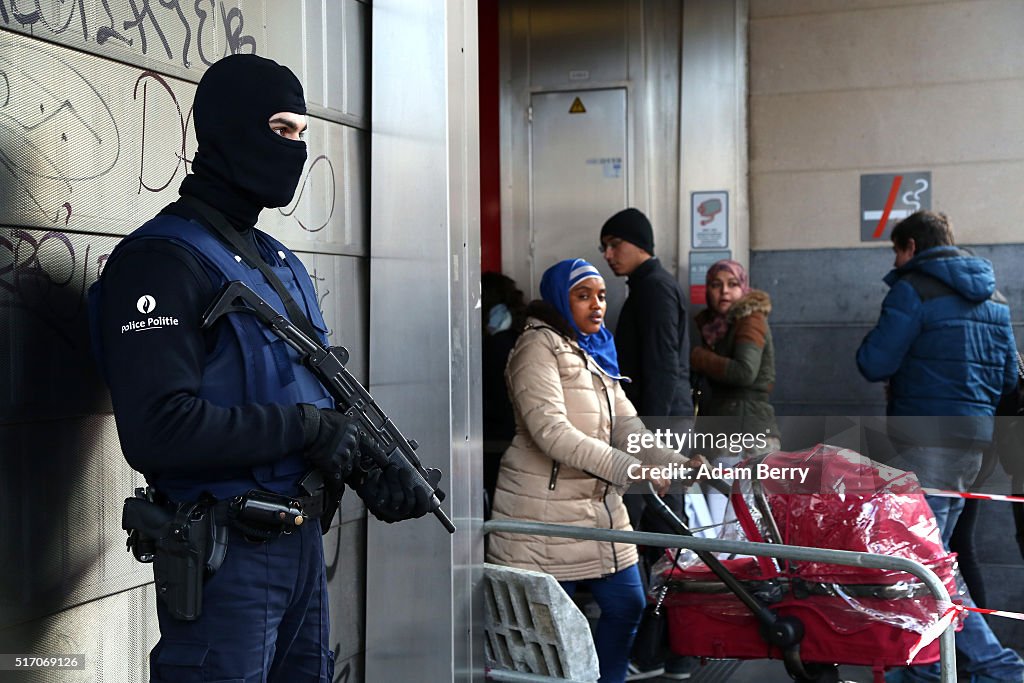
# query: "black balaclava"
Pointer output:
{"type": "Point", "coordinates": [242, 166]}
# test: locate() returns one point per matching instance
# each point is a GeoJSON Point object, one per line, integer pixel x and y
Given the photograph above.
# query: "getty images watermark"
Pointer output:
{"type": "Point", "coordinates": [707, 442]}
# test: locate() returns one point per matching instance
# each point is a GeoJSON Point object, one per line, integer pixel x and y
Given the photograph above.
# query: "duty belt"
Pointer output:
{"type": "Point", "coordinates": [263, 515]}
{"type": "Point", "coordinates": [258, 514]}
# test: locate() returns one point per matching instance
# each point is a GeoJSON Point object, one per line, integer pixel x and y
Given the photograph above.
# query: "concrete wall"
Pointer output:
{"type": "Point", "coordinates": [838, 90]}
{"type": "Point", "coordinates": [842, 89]}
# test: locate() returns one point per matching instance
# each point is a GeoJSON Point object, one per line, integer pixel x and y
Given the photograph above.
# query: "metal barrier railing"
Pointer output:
{"type": "Point", "coordinates": [947, 650]}
{"type": "Point", "coordinates": [519, 677]}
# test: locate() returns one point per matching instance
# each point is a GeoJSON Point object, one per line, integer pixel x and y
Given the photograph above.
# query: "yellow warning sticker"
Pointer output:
{"type": "Point", "coordinates": [577, 107]}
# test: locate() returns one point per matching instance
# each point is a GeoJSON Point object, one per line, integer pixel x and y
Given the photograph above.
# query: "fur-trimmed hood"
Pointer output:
{"type": "Point", "coordinates": [754, 301]}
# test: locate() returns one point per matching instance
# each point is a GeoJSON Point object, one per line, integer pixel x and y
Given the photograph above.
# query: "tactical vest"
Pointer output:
{"type": "Point", "coordinates": [255, 366]}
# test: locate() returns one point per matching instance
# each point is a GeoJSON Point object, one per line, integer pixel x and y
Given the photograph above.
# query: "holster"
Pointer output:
{"type": "Point", "coordinates": [184, 544]}
{"type": "Point", "coordinates": [178, 566]}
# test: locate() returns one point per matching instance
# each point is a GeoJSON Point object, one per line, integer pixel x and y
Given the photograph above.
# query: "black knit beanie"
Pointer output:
{"type": "Point", "coordinates": [632, 226]}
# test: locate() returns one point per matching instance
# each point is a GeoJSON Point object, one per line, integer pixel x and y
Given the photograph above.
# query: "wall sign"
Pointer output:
{"type": "Point", "coordinates": [709, 220]}
{"type": "Point", "coordinates": [888, 198]}
{"type": "Point", "coordinates": [700, 262]}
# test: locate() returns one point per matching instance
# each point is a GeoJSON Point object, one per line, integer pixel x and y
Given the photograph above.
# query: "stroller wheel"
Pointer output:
{"type": "Point", "coordinates": [818, 673]}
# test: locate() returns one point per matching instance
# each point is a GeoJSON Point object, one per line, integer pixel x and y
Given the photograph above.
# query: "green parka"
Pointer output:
{"type": "Point", "coordinates": [740, 368]}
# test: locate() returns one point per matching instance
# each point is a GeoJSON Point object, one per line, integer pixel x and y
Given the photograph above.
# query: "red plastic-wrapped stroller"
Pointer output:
{"type": "Point", "coordinates": [848, 615]}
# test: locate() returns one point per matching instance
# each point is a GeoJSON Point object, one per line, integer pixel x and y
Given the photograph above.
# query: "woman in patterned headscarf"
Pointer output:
{"type": "Point", "coordinates": [737, 357]}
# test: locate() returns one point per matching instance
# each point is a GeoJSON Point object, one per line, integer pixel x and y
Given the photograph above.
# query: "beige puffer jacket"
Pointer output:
{"type": "Point", "coordinates": [567, 463]}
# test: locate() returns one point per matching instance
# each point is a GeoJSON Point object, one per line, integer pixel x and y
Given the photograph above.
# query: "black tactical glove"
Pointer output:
{"type": "Point", "coordinates": [332, 443]}
{"type": "Point", "coordinates": [392, 495]}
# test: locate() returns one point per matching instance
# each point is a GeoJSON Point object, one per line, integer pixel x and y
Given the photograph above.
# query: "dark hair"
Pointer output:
{"type": "Point", "coordinates": [549, 315]}
{"type": "Point", "coordinates": [927, 228]}
{"type": "Point", "coordinates": [495, 289]}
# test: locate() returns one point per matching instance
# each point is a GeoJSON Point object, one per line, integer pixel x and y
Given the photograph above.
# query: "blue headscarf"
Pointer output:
{"type": "Point", "coordinates": [554, 289]}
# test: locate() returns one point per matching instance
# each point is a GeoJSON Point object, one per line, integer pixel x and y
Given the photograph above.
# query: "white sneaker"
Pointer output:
{"type": "Point", "coordinates": [634, 673]}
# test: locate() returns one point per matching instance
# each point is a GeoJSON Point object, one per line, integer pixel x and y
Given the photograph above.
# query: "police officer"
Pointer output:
{"type": "Point", "coordinates": [221, 414]}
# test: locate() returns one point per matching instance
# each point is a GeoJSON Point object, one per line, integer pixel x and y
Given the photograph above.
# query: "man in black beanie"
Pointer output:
{"type": "Point", "coordinates": [233, 433]}
{"type": "Point", "coordinates": [653, 345]}
{"type": "Point", "coordinates": [651, 337]}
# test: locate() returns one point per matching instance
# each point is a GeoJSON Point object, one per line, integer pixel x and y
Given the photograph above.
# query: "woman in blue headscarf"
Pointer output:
{"type": "Point", "coordinates": [578, 445]}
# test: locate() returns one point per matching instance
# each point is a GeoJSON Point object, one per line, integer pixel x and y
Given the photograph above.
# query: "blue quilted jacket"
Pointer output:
{"type": "Point", "coordinates": [944, 342]}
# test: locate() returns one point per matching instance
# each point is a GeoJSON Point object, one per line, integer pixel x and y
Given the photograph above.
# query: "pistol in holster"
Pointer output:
{"type": "Point", "coordinates": [184, 542]}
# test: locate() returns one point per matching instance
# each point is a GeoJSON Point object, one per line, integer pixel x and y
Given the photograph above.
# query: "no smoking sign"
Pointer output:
{"type": "Point", "coordinates": [888, 198]}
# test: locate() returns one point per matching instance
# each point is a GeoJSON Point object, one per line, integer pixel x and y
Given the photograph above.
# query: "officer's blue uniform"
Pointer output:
{"type": "Point", "coordinates": [250, 364]}
{"type": "Point", "coordinates": [265, 610]}
{"type": "Point", "coordinates": [217, 411]}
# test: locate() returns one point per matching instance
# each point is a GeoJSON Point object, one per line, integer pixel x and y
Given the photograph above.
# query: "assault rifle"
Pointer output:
{"type": "Point", "coordinates": [328, 364]}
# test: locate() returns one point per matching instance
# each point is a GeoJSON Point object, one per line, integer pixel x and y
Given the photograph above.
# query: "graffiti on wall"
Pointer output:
{"type": "Point", "coordinates": [198, 29]}
{"type": "Point", "coordinates": [64, 145]}
{"type": "Point", "coordinates": [158, 179]}
{"type": "Point", "coordinates": [56, 130]}
{"type": "Point", "coordinates": [159, 169]}
{"type": "Point", "coordinates": [91, 145]}
{"type": "Point", "coordinates": [321, 167]}
{"type": "Point", "coordinates": [46, 275]}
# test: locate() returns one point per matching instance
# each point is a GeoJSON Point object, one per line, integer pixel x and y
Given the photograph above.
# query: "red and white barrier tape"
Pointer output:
{"type": "Point", "coordinates": [997, 612]}
{"type": "Point", "coordinates": [953, 610]}
{"type": "Point", "coordinates": [974, 496]}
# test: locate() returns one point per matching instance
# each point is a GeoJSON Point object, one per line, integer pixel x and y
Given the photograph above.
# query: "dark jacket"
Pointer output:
{"type": "Point", "coordinates": [740, 369]}
{"type": "Point", "coordinates": [217, 410]}
{"type": "Point", "coordinates": [943, 341]}
{"type": "Point", "coordinates": [653, 344]}
{"type": "Point", "coordinates": [499, 422]}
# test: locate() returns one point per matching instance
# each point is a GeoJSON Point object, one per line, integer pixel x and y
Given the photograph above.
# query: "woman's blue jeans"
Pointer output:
{"type": "Point", "coordinates": [621, 599]}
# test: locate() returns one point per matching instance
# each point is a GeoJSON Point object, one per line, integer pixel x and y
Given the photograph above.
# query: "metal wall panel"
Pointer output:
{"type": "Point", "coordinates": [45, 359]}
{"type": "Point", "coordinates": [340, 283]}
{"type": "Point", "coordinates": [713, 137]}
{"type": "Point", "coordinates": [183, 38]}
{"type": "Point", "coordinates": [639, 46]}
{"type": "Point", "coordinates": [424, 355]}
{"type": "Point", "coordinates": [570, 37]}
{"type": "Point", "coordinates": [110, 633]}
{"type": "Point", "coordinates": [80, 133]}
{"type": "Point", "coordinates": [63, 481]}
{"type": "Point", "coordinates": [578, 179]}
{"type": "Point", "coordinates": [95, 137]}
{"type": "Point", "coordinates": [347, 594]}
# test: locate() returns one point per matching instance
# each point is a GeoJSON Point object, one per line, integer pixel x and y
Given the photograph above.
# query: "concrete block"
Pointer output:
{"type": "Point", "coordinates": [533, 627]}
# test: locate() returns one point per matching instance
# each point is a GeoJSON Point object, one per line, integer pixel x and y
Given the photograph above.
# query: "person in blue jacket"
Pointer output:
{"type": "Point", "coordinates": [226, 422]}
{"type": "Point", "coordinates": [945, 347]}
